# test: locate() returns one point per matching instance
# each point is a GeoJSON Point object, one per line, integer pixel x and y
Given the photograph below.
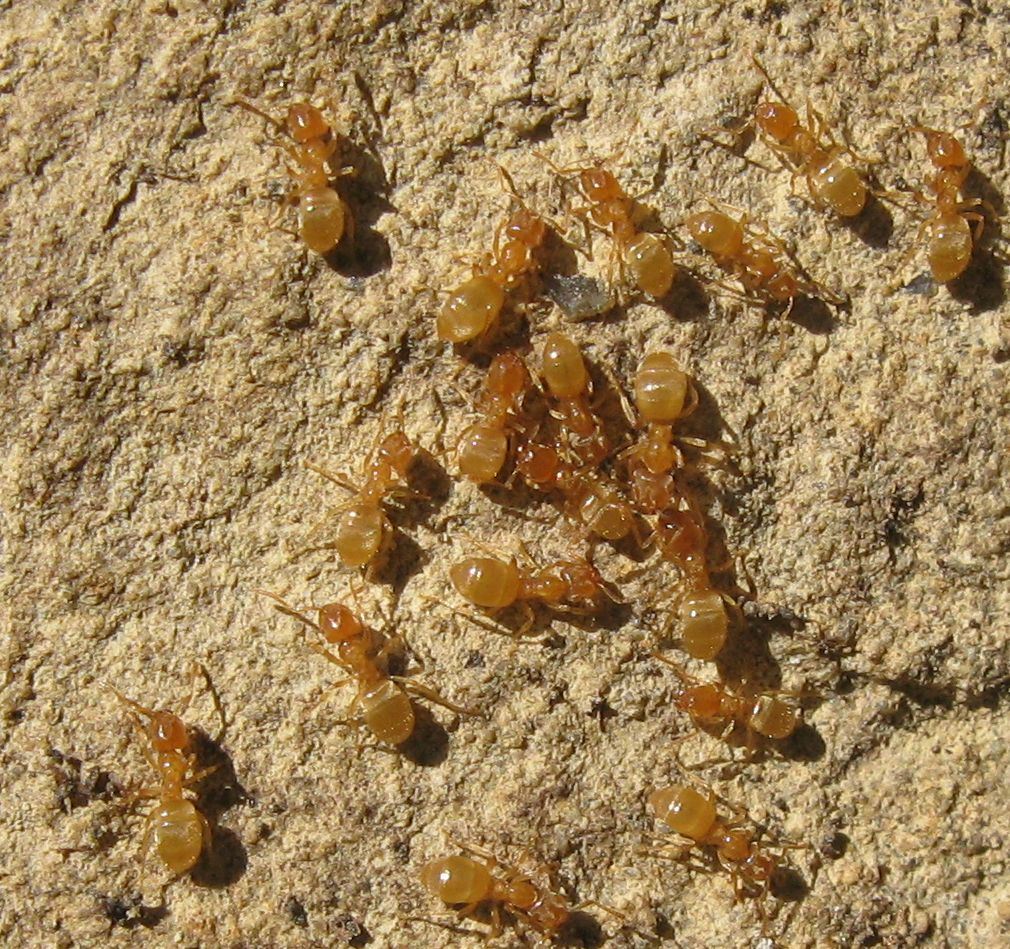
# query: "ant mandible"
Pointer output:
{"type": "Point", "coordinates": [323, 216]}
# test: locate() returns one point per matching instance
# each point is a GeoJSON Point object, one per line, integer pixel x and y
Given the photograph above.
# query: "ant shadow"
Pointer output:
{"type": "Point", "coordinates": [366, 194]}
{"type": "Point", "coordinates": [874, 226]}
{"type": "Point", "coordinates": [404, 557]}
{"type": "Point", "coordinates": [982, 284]}
{"type": "Point", "coordinates": [428, 745]}
{"type": "Point", "coordinates": [814, 315]}
{"type": "Point", "coordinates": [581, 930]}
{"type": "Point", "coordinates": [225, 860]}
{"type": "Point", "coordinates": [687, 300]}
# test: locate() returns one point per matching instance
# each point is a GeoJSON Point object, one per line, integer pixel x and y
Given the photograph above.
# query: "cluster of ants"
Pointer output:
{"type": "Point", "coordinates": [542, 429]}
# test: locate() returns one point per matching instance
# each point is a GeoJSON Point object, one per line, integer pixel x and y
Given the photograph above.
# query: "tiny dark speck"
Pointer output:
{"type": "Point", "coordinates": [296, 911]}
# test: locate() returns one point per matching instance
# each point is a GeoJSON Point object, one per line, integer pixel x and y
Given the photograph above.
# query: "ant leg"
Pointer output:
{"type": "Point", "coordinates": [979, 220]}
{"type": "Point", "coordinates": [249, 107]}
{"type": "Point", "coordinates": [335, 476]}
{"type": "Point", "coordinates": [412, 685]}
{"type": "Point", "coordinates": [913, 249]}
{"type": "Point", "coordinates": [677, 668]}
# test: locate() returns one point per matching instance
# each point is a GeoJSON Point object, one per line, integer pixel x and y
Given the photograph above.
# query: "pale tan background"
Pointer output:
{"type": "Point", "coordinates": [168, 363]}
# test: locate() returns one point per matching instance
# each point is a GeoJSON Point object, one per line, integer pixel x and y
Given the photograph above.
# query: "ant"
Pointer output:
{"type": "Point", "coordinates": [610, 208]}
{"type": "Point", "coordinates": [483, 447]}
{"type": "Point", "coordinates": [764, 714]}
{"type": "Point", "coordinates": [694, 816]}
{"type": "Point", "coordinates": [564, 371]}
{"type": "Point", "coordinates": [810, 150]}
{"type": "Point", "coordinates": [663, 394]}
{"type": "Point", "coordinates": [363, 527]}
{"type": "Point", "coordinates": [704, 620]}
{"type": "Point", "coordinates": [470, 883]}
{"type": "Point", "coordinates": [757, 259]}
{"type": "Point", "coordinates": [323, 217]}
{"type": "Point", "coordinates": [474, 307]}
{"type": "Point", "coordinates": [950, 238]}
{"type": "Point", "coordinates": [386, 710]}
{"type": "Point", "coordinates": [572, 586]}
{"type": "Point", "coordinates": [181, 832]}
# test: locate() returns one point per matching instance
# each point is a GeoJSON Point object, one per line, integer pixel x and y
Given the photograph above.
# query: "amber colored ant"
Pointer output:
{"type": "Point", "coordinates": [564, 371]}
{"type": "Point", "coordinates": [694, 816]}
{"type": "Point", "coordinates": [950, 238]}
{"type": "Point", "coordinates": [484, 446]}
{"type": "Point", "coordinates": [763, 714]}
{"type": "Point", "coordinates": [663, 395]}
{"type": "Point", "coordinates": [180, 831]}
{"type": "Point", "coordinates": [473, 308]}
{"type": "Point", "coordinates": [758, 260]}
{"type": "Point", "coordinates": [830, 180]}
{"type": "Point", "coordinates": [702, 612]}
{"type": "Point", "coordinates": [470, 884]}
{"type": "Point", "coordinates": [386, 710]}
{"type": "Point", "coordinates": [644, 254]}
{"type": "Point", "coordinates": [323, 217]}
{"type": "Point", "coordinates": [363, 526]}
{"type": "Point", "coordinates": [572, 586]}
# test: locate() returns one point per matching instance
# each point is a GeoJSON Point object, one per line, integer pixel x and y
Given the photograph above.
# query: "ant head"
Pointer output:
{"type": "Point", "coordinates": [944, 150]}
{"type": "Point", "coordinates": [507, 375]}
{"type": "Point", "coordinates": [527, 227]}
{"type": "Point", "coordinates": [599, 184]}
{"type": "Point", "coordinates": [338, 624]}
{"type": "Point", "coordinates": [305, 122]}
{"type": "Point", "coordinates": [167, 732]}
{"type": "Point", "coordinates": [776, 119]}
{"type": "Point", "coordinates": [397, 449]}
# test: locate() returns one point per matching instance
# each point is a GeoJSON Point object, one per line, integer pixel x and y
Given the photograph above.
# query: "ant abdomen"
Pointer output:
{"type": "Point", "coordinates": [704, 623]}
{"type": "Point", "coordinates": [684, 810]}
{"type": "Point", "coordinates": [487, 582]}
{"type": "Point", "coordinates": [482, 452]}
{"type": "Point", "coordinates": [470, 310]}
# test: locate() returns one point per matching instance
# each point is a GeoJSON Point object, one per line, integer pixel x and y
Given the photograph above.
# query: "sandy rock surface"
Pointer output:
{"type": "Point", "coordinates": [169, 362]}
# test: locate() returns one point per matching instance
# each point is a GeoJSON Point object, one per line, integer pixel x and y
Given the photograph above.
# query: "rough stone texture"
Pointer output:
{"type": "Point", "coordinates": [169, 362]}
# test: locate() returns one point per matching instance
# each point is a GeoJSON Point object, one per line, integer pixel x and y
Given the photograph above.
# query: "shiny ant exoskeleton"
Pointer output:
{"type": "Point", "coordinates": [564, 371]}
{"type": "Point", "coordinates": [711, 703]}
{"type": "Point", "coordinates": [484, 446]}
{"type": "Point", "coordinates": [645, 255]}
{"type": "Point", "coordinates": [694, 815]}
{"type": "Point", "coordinates": [810, 150]}
{"type": "Point", "coordinates": [180, 831]}
{"type": "Point", "coordinates": [473, 308]}
{"type": "Point", "coordinates": [362, 525]}
{"type": "Point", "coordinates": [760, 262]}
{"type": "Point", "coordinates": [569, 586]}
{"type": "Point", "coordinates": [323, 217]}
{"type": "Point", "coordinates": [386, 709]}
{"type": "Point", "coordinates": [953, 229]}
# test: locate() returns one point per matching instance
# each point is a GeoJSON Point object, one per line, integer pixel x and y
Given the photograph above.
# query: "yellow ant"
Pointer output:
{"type": "Point", "coordinates": [323, 217]}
